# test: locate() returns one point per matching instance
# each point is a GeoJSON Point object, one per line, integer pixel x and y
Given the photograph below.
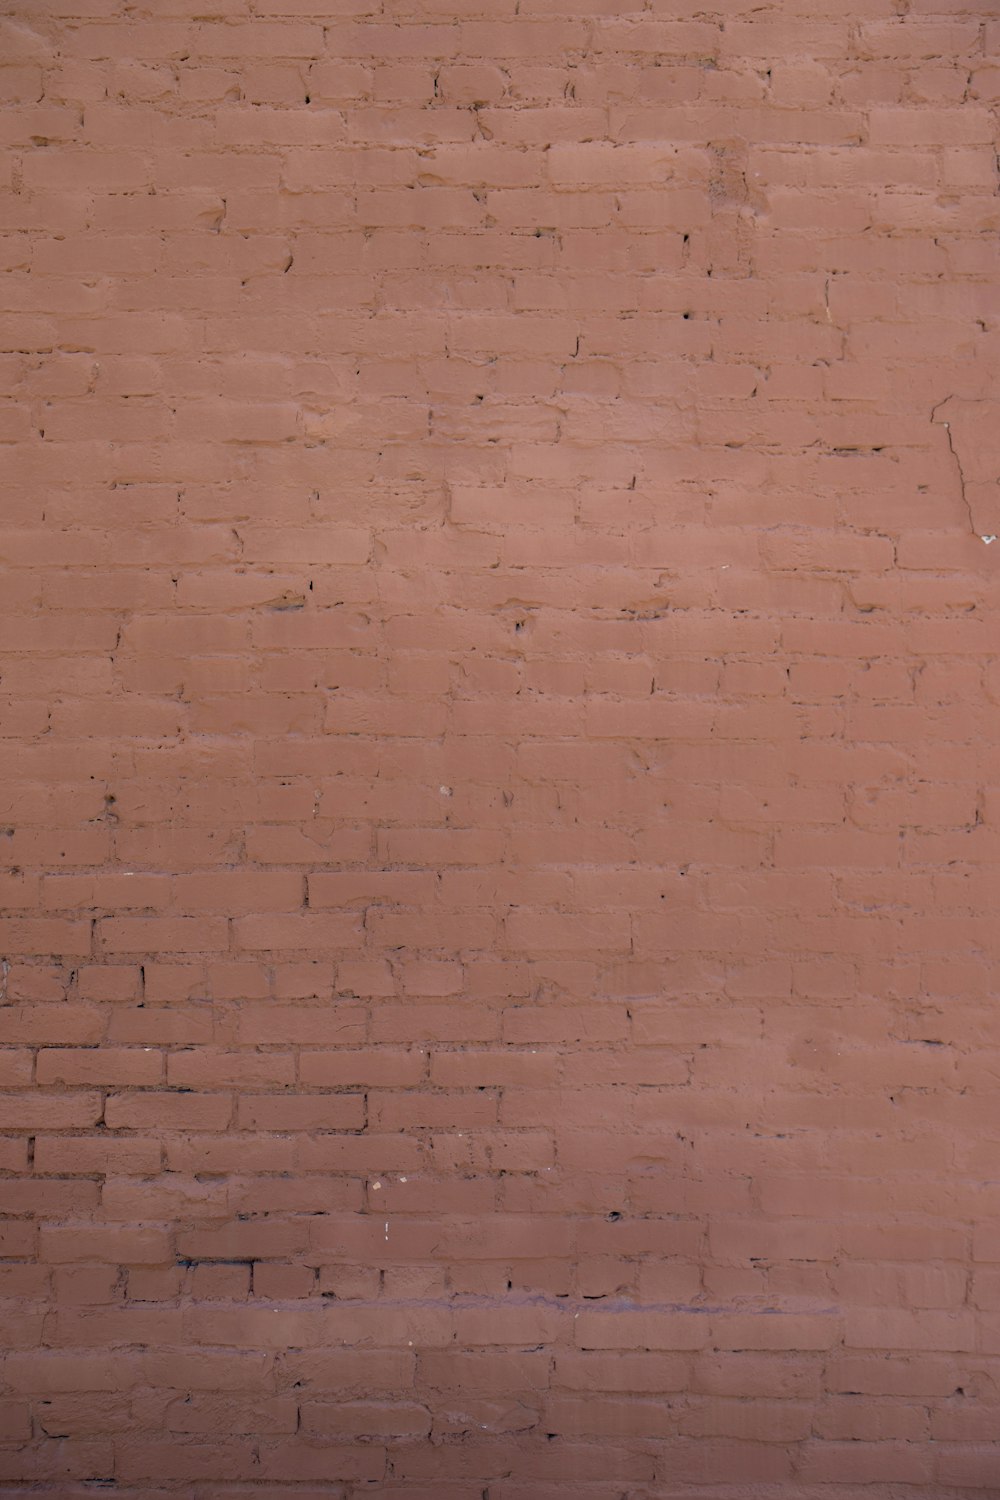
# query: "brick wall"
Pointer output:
{"type": "Point", "coordinates": [500, 807]}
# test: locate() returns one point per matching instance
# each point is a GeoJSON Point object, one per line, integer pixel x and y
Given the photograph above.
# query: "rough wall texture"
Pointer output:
{"type": "Point", "coordinates": [501, 805]}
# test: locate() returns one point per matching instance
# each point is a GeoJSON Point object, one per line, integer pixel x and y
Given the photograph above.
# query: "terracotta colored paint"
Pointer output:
{"type": "Point", "coordinates": [500, 812]}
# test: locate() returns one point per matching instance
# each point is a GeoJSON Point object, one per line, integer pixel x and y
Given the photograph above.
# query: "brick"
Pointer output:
{"type": "Point", "coordinates": [349, 1372]}
{"type": "Point", "coordinates": [621, 1372]}
{"type": "Point", "coordinates": [78, 1065]}
{"type": "Point", "coordinates": [314, 933]}
{"type": "Point", "coordinates": [314, 1025]}
{"type": "Point", "coordinates": [522, 1327]}
{"type": "Point", "coordinates": [553, 932]}
{"type": "Point", "coordinates": [202, 1369]}
{"type": "Point", "coordinates": [243, 1241]}
{"type": "Point", "coordinates": [61, 1370]}
{"type": "Point", "coordinates": [16, 1067]}
{"type": "Point", "coordinates": [163, 934]}
{"type": "Point", "coordinates": [40, 935]}
{"type": "Point", "coordinates": [384, 1067]}
{"type": "Point", "coordinates": [230, 892]}
{"type": "Point", "coordinates": [208, 1067]}
{"type": "Point", "coordinates": [305, 1112]}
{"type": "Point", "coordinates": [843, 1463]}
{"type": "Point", "coordinates": [88, 1154]}
{"type": "Point", "coordinates": [168, 1111]}
{"type": "Point", "coordinates": [366, 1419]}
{"type": "Point", "coordinates": [907, 127]}
{"type": "Point", "coordinates": [115, 983]}
{"type": "Point", "coordinates": [632, 1329]}
{"type": "Point", "coordinates": [185, 1461]}
{"type": "Point", "coordinates": [899, 1328]}
{"type": "Point", "coordinates": [302, 1460]}
{"type": "Point", "coordinates": [38, 1111]}
{"type": "Point", "coordinates": [59, 1024]}
{"type": "Point", "coordinates": [120, 1243]}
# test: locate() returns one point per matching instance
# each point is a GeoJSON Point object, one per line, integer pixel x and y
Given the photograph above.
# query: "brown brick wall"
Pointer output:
{"type": "Point", "coordinates": [500, 795]}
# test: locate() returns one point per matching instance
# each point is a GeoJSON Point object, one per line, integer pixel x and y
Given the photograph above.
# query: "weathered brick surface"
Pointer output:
{"type": "Point", "coordinates": [499, 819]}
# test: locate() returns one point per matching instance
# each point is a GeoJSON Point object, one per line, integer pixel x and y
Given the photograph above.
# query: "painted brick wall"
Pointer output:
{"type": "Point", "coordinates": [500, 806]}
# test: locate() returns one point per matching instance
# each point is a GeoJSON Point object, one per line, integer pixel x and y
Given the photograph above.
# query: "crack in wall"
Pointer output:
{"type": "Point", "coordinates": [958, 462]}
{"type": "Point", "coordinates": [963, 483]}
